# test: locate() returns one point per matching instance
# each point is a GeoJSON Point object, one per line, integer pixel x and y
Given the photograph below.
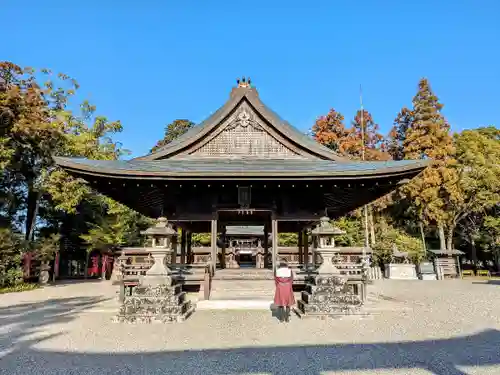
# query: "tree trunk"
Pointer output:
{"type": "Point", "coordinates": [86, 265]}
{"type": "Point", "coordinates": [497, 259]}
{"type": "Point", "coordinates": [473, 251]}
{"type": "Point", "coordinates": [31, 211]}
{"type": "Point", "coordinates": [442, 237]}
{"type": "Point", "coordinates": [372, 226]}
{"type": "Point", "coordinates": [422, 234]}
{"type": "Point", "coordinates": [449, 239]}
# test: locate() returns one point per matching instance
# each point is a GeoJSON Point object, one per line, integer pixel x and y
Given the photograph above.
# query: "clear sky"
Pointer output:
{"type": "Point", "coordinates": [152, 61]}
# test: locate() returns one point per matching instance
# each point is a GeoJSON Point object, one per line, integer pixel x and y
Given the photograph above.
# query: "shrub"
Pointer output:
{"type": "Point", "coordinates": [389, 236]}
{"type": "Point", "coordinates": [11, 251]}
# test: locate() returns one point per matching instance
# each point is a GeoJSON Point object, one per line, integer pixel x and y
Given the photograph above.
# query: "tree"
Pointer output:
{"type": "Point", "coordinates": [115, 226]}
{"type": "Point", "coordinates": [173, 131]}
{"type": "Point", "coordinates": [368, 143]}
{"type": "Point", "coordinates": [331, 132]}
{"type": "Point", "coordinates": [31, 130]}
{"type": "Point", "coordinates": [10, 258]}
{"type": "Point", "coordinates": [86, 135]}
{"type": "Point", "coordinates": [397, 135]}
{"type": "Point", "coordinates": [428, 137]}
{"type": "Point", "coordinates": [491, 232]}
{"type": "Point", "coordinates": [478, 184]}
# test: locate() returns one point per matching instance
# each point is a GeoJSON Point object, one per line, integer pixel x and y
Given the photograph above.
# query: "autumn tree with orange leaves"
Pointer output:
{"type": "Point", "coordinates": [331, 132]}
{"type": "Point", "coordinates": [428, 137]}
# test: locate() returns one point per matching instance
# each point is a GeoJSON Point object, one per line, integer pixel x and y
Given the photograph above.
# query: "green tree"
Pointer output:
{"type": "Point", "coordinates": [478, 185]}
{"type": "Point", "coordinates": [115, 226]}
{"type": "Point", "coordinates": [11, 250]}
{"type": "Point", "coordinates": [31, 130]}
{"type": "Point", "coordinates": [172, 131]}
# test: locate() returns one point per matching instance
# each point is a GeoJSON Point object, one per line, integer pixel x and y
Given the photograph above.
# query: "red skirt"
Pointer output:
{"type": "Point", "coordinates": [283, 296]}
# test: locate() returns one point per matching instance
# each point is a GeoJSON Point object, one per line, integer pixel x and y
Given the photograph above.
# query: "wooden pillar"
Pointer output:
{"type": "Point", "coordinates": [223, 250]}
{"type": "Point", "coordinates": [173, 259]}
{"type": "Point", "coordinates": [213, 242]}
{"type": "Point", "coordinates": [183, 246]}
{"type": "Point", "coordinates": [305, 239]}
{"type": "Point", "coordinates": [266, 246]}
{"type": "Point", "coordinates": [301, 247]}
{"type": "Point", "coordinates": [274, 228]}
{"type": "Point", "coordinates": [189, 241]}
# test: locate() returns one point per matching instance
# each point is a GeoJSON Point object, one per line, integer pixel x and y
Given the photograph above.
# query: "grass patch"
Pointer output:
{"type": "Point", "coordinates": [19, 288]}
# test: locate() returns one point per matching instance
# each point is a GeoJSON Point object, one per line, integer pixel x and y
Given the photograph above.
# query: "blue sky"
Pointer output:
{"type": "Point", "coordinates": [148, 63]}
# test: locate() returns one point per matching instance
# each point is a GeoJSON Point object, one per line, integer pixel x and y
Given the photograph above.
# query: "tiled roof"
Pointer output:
{"type": "Point", "coordinates": [239, 94]}
{"type": "Point", "coordinates": [239, 167]}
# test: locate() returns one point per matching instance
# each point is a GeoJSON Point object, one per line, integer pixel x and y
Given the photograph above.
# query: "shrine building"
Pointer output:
{"type": "Point", "coordinates": [243, 167]}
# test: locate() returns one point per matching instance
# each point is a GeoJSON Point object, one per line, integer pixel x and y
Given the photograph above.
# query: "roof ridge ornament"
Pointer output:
{"type": "Point", "coordinates": [243, 82]}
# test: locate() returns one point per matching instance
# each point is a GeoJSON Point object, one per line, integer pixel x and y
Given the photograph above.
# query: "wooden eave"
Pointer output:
{"type": "Point", "coordinates": [240, 169]}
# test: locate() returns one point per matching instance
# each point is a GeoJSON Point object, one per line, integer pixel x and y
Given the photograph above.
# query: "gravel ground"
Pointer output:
{"type": "Point", "coordinates": [444, 327]}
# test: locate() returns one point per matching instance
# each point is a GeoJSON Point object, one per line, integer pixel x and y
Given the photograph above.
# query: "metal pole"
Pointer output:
{"type": "Point", "coordinates": [363, 158]}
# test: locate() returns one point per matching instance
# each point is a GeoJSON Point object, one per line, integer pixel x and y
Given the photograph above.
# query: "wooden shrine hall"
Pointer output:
{"type": "Point", "coordinates": [243, 166]}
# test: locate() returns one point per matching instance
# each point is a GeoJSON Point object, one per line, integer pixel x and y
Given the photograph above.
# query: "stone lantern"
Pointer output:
{"type": "Point", "coordinates": [162, 236]}
{"type": "Point", "coordinates": [324, 240]}
{"type": "Point", "coordinates": [327, 293]}
{"type": "Point", "coordinates": [157, 297]}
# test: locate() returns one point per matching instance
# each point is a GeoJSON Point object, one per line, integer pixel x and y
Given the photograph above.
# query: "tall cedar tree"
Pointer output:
{"type": "Point", "coordinates": [397, 135]}
{"type": "Point", "coordinates": [172, 131]}
{"type": "Point", "coordinates": [428, 137]}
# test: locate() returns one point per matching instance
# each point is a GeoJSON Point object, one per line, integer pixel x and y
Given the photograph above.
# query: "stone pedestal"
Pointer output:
{"type": "Point", "coordinates": [428, 276]}
{"type": "Point", "coordinates": [44, 276]}
{"type": "Point", "coordinates": [426, 271]}
{"type": "Point", "coordinates": [327, 294]}
{"type": "Point", "coordinates": [403, 271]}
{"type": "Point", "coordinates": [157, 298]}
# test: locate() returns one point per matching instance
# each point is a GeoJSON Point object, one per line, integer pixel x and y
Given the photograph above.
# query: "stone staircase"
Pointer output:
{"type": "Point", "coordinates": [240, 289]}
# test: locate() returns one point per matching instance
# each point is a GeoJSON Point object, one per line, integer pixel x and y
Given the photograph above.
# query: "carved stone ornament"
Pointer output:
{"type": "Point", "coordinates": [155, 304]}
{"type": "Point", "coordinates": [328, 296]}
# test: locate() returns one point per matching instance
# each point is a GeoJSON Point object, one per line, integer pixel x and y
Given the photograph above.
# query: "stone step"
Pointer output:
{"type": "Point", "coordinates": [235, 304]}
{"type": "Point", "coordinates": [229, 287]}
{"type": "Point", "coordinates": [244, 274]}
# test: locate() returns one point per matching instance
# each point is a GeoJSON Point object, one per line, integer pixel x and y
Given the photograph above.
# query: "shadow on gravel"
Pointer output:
{"type": "Point", "coordinates": [19, 322]}
{"type": "Point", "coordinates": [487, 282]}
{"type": "Point", "coordinates": [18, 354]}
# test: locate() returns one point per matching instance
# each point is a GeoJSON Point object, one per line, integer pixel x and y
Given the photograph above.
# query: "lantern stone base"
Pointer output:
{"type": "Point", "coordinates": [328, 296]}
{"type": "Point", "coordinates": [428, 276]}
{"type": "Point", "coordinates": [155, 304]}
{"type": "Point", "coordinates": [403, 271]}
{"type": "Point", "coordinates": [158, 298]}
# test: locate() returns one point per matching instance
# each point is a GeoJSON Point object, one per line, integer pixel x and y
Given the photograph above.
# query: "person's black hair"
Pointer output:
{"type": "Point", "coordinates": [283, 265]}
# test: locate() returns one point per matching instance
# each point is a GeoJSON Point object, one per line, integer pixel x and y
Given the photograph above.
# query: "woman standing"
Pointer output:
{"type": "Point", "coordinates": [283, 296]}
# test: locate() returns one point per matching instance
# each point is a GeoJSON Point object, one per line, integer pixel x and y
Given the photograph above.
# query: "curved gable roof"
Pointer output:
{"type": "Point", "coordinates": [291, 134]}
